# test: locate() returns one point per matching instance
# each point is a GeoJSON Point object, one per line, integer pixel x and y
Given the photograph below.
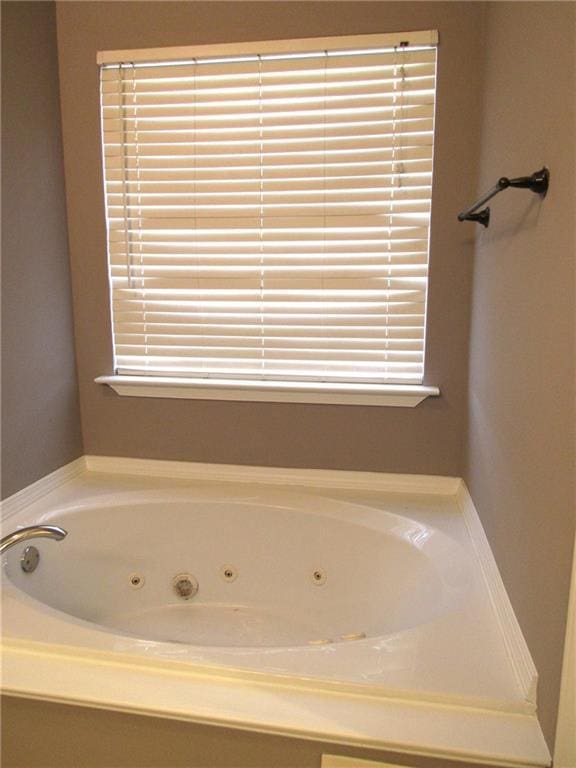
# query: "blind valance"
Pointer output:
{"type": "Point", "coordinates": [268, 211]}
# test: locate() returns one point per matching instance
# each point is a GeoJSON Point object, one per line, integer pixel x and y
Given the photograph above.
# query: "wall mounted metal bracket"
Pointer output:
{"type": "Point", "coordinates": [538, 182]}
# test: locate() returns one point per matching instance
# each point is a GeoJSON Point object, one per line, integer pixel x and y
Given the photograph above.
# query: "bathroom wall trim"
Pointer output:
{"type": "Point", "coordinates": [319, 478]}
{"type": "Point", "coordinates": [565, 745]}
{"type": "Point", "coordinates": [13, 504]}
{"type": "Point", "coordinates": [519, 654]}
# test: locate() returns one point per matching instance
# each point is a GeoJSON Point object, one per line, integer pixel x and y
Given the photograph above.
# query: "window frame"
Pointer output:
{"type": "Point", "coordinates": [268, 390]}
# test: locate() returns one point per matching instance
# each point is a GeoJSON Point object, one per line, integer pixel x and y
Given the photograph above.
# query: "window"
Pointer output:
{"type": "Point", "coordinates": [268, 211]}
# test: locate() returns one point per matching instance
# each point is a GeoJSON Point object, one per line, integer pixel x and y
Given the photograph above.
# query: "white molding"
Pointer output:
{"type": "Point", "coordinates": [518, 652]}
{"type": "Point", "coordinates": [565, 746]}
{"type": "Point", "coordinates": [318, 478]}
{"type": "Point", "coordinates": [395, 395]}
{"type": "Point", "coordinates": [35, 491]}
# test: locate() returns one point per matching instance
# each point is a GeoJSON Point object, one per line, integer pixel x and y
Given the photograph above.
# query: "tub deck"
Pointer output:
{"type": "Point", "coordinates": [460, 686]}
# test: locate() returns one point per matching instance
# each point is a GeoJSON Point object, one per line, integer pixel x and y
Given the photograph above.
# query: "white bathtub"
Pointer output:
{"type": "Point", "coordinates": [309, 598]}
{"type": "Point", "coordinates": [274, 570]}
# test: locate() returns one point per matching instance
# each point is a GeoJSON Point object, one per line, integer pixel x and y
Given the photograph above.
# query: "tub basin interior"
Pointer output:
{"type": "Point", "coordinates": [297, 571]}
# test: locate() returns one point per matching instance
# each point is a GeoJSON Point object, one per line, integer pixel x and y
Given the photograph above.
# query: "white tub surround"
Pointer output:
{"type": "Point", "coordinates": [345, 607]}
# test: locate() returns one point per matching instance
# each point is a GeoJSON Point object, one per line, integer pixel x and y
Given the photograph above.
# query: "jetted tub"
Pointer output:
{"type": "Point", "coordinates": [352, 611]}
{"type": "Point", "coordinates": [286, 571]}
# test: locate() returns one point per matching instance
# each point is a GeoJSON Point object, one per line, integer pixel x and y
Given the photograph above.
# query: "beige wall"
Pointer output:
{"type": "Point", "coordinates": [518, 453]}
{"type": "Point", "coordinates": [520, 464]}
{"type": "Point", "coordinates": [73, 737]}
{"type": "Point", "coordinates": [428, 439]}
{"type": "Point", "coordinates": [40, 412]}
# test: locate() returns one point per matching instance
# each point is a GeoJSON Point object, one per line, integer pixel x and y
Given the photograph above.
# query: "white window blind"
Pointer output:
{"type": "Point", "coordinates": [268, 211]}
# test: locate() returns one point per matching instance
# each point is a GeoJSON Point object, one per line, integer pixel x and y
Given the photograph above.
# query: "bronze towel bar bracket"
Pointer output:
{"type": "Point", "coordinates": [538, 182]}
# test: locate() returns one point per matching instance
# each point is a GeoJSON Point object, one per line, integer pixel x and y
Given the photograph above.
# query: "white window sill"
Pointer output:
{"type": "Point", "coordinates": [403, 395]}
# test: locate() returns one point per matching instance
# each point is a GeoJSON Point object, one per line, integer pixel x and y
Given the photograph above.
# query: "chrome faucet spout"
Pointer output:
{"type": "Point", "coordinates": [31, 532]}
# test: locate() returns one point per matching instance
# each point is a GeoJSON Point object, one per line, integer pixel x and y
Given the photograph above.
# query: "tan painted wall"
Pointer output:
{"type": "Point", "coordinates": [519, 461]}
{"type": "Point", "coordinates": [428, 439]}
{"type": "Point", "coordinates": [74, 737]}
{"type": "Point", "coordinates": [40, 411]}
{"type": "Point", "coordinates": [520, 464]}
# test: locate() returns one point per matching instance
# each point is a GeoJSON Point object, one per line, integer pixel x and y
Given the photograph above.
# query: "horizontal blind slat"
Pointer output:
{"type": "Point", "coordinates": [117, 121]}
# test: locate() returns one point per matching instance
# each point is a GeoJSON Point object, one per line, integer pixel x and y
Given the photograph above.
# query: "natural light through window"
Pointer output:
{"type": "Point", "coordinates": [268, 209]}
